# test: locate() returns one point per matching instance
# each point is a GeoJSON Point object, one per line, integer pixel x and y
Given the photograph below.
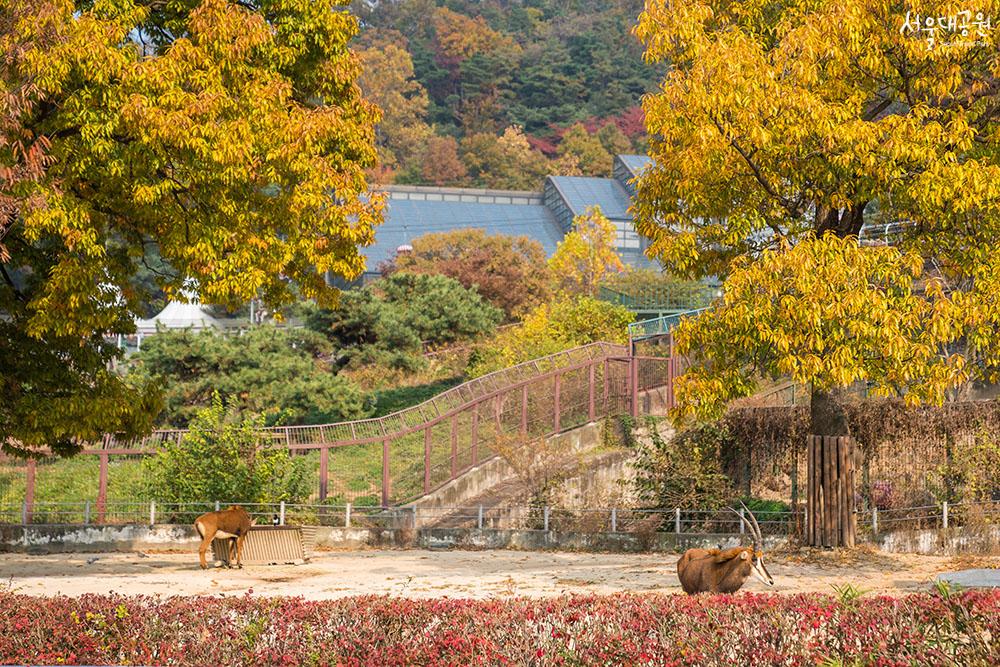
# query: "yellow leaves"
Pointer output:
{"type": "Point", "coordinates": [586, 254]}
{"type": "Point", "coordinates": [828, 312]}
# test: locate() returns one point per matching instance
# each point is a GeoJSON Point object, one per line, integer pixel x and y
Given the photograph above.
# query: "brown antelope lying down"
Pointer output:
{"type": "Point", "coordinates": [233, 523]}
{"type": "Point", "coordinates": [724, 570]}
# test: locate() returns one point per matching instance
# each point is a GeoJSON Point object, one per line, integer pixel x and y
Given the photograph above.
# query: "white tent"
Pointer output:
{"type": "Point", "coordinates": [177, 315]}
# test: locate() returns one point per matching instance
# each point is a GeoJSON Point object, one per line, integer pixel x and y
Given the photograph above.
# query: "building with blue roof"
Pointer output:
{"type": "Point", "coordinates": [545, 216]}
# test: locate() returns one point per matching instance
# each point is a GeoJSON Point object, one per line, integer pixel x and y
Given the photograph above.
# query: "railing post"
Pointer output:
{"type": "Point", "coordinates": [454, 446]}
{"type": "Point", "coordinates": [427, 459]}
{"type": "Point", "coordinates": [546, 518]}
{"type": "Point", "coordinates": [152, 512]}
{"type": "Point", "coordinates": [742, 526]}
{"type": "Point", "coordinates": [677, 520]}
{"type": "Point", "coordinates": [86, 512]}
{"type": "Point", "coordinates": [324, 472]}
{"type": "Point", "coordinates": [591, 412]}
{"type": "Point", "coordinates": [474, 437]}
{"type": "Point", "coordinates": [281, 513]}
{"type": "Point", "coordinates": [557, 418]}
{"type": "Point", "coordinates": [524, 409]}
{"type": "Point", "coordinates": [102, 488]}
{"type": "Point", "coordinates": [944, 515]}
{"type": "Point", "coordinates": [479, 522]}
{"type": "Point", "coordinates": [29, 492]}
{"type": "Point", "coordinates": [347, 516]}
{"type": "Point", "coordinates": [385, 473]}
{"type": "Point", "coordinates": [874, 521]}
{"type": "Point", "coordinates": [614, 519]}
{"type": "Point", "coordinates": [634, 385]}
{"type": "Point", "coordinates": [606, 380]}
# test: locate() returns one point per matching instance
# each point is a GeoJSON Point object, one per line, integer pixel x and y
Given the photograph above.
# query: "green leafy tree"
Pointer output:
{"type": "Point", "coordinates": [215, 131]}
{"type": "Point", "coordinates": [389, 321]}
{"type": "Point", "coordinates": [286, 376]}
{"type": "Point", "coordinates": [222, 458]}
{"type": "Point", "coordinates": [509, 272]}
{"type": "Point", "coordinates": [781, 129]}
{"type": "Point", "coordinates": [437, 308]}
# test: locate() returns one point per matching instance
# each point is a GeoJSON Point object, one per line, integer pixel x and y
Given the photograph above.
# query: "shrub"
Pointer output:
{"type": "Point", "coordinates": [222, 458]}
{"type": "Point", "coordinates": [743, 629]}
{"type": "Point", "coordinates": [286, 375]}
{"type": "Point", "coordinates": [682, 471]}
{"type": "Point", "coordinates": [566, 322]}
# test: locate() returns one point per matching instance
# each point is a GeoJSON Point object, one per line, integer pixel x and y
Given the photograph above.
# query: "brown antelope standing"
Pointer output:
{"type": "Point", "coordinates": [724, 570]}
{"type": "Point", "coordinates": [233, 523]}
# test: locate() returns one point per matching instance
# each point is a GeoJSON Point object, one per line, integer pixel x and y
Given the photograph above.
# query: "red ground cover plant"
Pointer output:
{"type": "Point", "coordinates": [810, 629]}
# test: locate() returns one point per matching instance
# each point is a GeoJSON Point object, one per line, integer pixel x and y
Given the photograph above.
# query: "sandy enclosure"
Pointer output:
{"type": "Point", "coordinates": [476, 574]}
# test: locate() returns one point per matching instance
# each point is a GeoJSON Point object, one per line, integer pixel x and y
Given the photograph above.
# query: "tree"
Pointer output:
{"type": "Point", "coordinates": [388, 321]}
{"type": "Point", "coordinates": [588, 149]}
{"type": "Point", "coordinates": [387, 80]}
{"type": "Point", "coordinates": [505, 162]}
{"type": "Point", "coordinates": [222, 458]}
{"type": "Point", "coordinates": [586, 254]}
{"type": "Point", "coordinates": [286, 376]}
{"type": "Point", "coordinates": [437, 308]}
{"type": "Point", "coordinates": [214, 131]}
{"type": "Point", "coordinates": [509, 272]}
{"type": "Point", "coordinates": [440, 164]}
{"type": "Point", "coordinates": [779, 132]}
{"type": "Point", "coordinates": [564, 322]}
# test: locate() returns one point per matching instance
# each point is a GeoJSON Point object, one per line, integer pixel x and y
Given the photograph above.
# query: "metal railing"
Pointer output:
{"type": "Point", "coordinates": [871, 522]}
{"type": "Point", "coordinates": [658, 326]}
{"type": "Point", "coordinates": [654, 298]}
{"type": "Point", "coordinates": [395, 458]}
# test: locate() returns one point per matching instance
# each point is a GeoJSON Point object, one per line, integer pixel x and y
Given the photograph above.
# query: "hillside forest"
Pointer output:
{"type": "Point", "coordinates": [499, 93]}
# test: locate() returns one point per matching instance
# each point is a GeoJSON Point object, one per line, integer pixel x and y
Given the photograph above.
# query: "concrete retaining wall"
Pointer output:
{"type": "Point", "coordinates": [487, 475]}
{"type": "Point", "coordinates": [55, 539]}
{"type": "Point", "coordinates": [950, 542]}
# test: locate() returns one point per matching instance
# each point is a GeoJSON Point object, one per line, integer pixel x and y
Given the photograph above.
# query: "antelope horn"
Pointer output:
{"type": "Point", "coordinates": [748, 525]}
{"type": "Point", "coordinates": [760, 538]}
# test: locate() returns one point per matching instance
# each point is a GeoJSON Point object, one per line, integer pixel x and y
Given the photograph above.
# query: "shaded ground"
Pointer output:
{"type": "Point", "coordinates": [477, 574]}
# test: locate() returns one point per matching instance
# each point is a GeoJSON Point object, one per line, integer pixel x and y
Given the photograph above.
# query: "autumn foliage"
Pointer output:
{"type": "Point", "coordinates": [507, 271]}
{"type": "Point", "coordinates": [806, 629]}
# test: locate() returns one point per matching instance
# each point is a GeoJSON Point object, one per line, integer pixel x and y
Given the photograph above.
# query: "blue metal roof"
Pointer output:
{"type": "Point", "coordinates": [582, 192]}
{"type": "Point", "coordinates": [407, 219]}
{"type": "Point", "coordinates": [635, 163]}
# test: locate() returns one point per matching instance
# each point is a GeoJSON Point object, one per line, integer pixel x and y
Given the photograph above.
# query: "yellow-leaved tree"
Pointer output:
{"type": "Point", "coordinates": [586, 254]}
{"type": "Point", "coordinates": [782, 131]}
{"type": "Point", "coordinates": [229, 138]}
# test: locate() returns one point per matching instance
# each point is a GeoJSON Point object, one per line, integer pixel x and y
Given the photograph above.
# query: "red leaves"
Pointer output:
{"type": "Point", "coordinates": [634, 630]}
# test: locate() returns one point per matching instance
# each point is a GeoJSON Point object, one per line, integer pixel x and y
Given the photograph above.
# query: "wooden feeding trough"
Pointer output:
{"type": "Point", "coordinates": [271, 545]}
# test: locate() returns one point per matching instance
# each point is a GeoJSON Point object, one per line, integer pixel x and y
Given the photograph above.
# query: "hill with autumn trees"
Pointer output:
{"type": "Point", "coordinates": [499, 93]}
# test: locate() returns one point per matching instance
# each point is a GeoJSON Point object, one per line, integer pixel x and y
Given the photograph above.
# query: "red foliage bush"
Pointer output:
{"type": "Point", "coordinates": [923, 629]}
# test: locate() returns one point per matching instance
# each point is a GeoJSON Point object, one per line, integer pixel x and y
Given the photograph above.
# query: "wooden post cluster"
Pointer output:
{"type": "Point", "coordinates": [830, 517]}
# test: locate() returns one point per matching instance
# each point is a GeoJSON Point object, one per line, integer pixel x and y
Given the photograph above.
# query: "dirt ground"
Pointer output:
{"type": "Point", "coordinates": [456, 574]}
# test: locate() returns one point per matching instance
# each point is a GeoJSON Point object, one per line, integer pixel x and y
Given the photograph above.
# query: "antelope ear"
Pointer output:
{"type": "Point", "coordinates": [744, 555]}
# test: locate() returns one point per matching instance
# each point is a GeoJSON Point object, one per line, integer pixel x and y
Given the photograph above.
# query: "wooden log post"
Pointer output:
{"type": "Point", "coordinates": [830, 519]}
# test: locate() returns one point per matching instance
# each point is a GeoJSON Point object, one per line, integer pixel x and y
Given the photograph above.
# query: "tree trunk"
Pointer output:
{"type": "Point", "coordinates": [826, 414]}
